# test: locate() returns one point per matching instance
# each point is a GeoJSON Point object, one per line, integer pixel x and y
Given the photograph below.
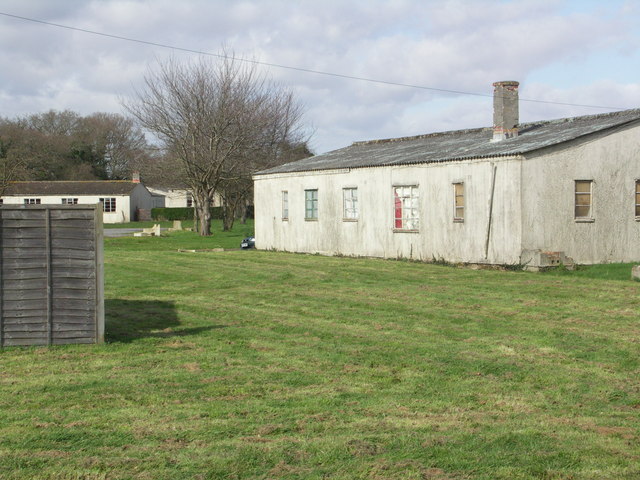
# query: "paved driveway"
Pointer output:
{"type": "Point", "coordinates": [120, 232]}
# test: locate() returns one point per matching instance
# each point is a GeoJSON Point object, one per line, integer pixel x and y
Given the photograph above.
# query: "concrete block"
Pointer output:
{"type": "Point", "coordinates": [536, 260]}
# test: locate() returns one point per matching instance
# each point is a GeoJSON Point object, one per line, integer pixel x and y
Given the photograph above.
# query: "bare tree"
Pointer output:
{"type": "Point", "coordinates": [65, 146]}
{"type": "Point", "coordinates": [116, 142]}
{"type": "Point", "coordinates": [236, 190]}
{"type": "Point", "coordinates": [215, 119]}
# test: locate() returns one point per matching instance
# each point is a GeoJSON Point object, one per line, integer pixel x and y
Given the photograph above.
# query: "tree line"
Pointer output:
{"type": "Point", "coordinates": [67, 146]}
{"type": "Point", "coordinates": [213, 125]}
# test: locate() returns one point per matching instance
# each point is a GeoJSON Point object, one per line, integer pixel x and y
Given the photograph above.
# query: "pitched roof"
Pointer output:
{"type": "Point", "coordinates": [99, 187]}
{"type": "Point", "coordinates": [459, 145]}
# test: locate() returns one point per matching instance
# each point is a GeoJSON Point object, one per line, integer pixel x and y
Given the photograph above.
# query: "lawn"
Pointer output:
{"type": "Point", "coordinates": [266, 365]}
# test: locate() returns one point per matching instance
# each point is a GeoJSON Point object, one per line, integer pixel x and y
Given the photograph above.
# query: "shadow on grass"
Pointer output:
{"type": "Point", "coordinates": [129, 320]}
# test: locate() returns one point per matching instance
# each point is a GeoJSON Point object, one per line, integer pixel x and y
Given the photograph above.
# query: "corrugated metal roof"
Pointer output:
{"type": "Point", "coordinates": [458, 145]}
{"type": "Point", "coordinates": [100, 187]}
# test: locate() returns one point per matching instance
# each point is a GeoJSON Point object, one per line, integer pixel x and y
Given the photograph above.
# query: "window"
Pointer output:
{"type": "Point", "coordinates": [583, 199]}
{"type": "Point", "coordinates": [638, 198]}
{"type": "Point", "coordinates": [108, 205]}
{"type": "Point", "coordinates": [285, 205]}
{"type": "Point", "coordinates": [458, 202]}
{"type": "Point", "coordinates": [406, 207]}
{"type": "Point", "coordinates": [1, 201]}
{"type": "Point", "coordinates": [69, 201]}
{"type": "Point", "coordinates": [189, 201]}
{"type": "Point", "coordinates": [311, 204]}
{"type": "Point", "coordinates": [32, 201]}
{"type": "Point", "coordinates": [350, 203]}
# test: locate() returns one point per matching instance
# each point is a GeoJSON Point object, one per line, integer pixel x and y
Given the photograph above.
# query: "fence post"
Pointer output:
{"type": "Point", "coordinates": [47, 246]}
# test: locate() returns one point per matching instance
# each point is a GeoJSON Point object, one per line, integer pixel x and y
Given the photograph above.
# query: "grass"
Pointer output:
{"type": "Point", "coordinates": [264, 365]}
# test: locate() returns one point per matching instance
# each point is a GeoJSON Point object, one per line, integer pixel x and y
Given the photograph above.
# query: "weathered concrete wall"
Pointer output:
{"type": "Point", "coordinates": [439, 237]}
{"type": "Point", "coordinates": [548, 179]}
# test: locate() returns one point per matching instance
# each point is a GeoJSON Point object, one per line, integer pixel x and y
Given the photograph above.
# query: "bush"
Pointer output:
{"type": "Point", "coordinates": [216, 213]}
{"type": "Point", "coordinates": [183, 213]}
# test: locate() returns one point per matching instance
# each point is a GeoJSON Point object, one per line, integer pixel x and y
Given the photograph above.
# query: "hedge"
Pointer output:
{"type": "Point", "coordinates": [181, 213]}
{"type": "Point", "coordinates": [184, 213]}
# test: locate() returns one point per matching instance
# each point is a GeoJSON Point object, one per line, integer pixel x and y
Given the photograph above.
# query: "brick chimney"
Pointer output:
{"type": "Point", "coordinates": [135, 177]}
{"type": "Point", "coordinates": [505, 110]}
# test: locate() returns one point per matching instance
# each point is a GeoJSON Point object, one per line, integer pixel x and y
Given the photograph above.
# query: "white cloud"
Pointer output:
{"type": "Point", "coordinates": [459, 45]}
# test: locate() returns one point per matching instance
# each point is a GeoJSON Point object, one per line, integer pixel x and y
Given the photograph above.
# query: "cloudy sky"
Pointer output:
{"type": "Point", "coordinates": [578, 52]}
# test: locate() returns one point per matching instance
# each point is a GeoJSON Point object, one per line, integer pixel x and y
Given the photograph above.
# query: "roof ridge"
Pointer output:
{"type": "Point", "coordinates": [71, 181]}
{"type": "Point", "coordinates": [420, 137]}
{"type": "Point", "coordinates": [488, 129]}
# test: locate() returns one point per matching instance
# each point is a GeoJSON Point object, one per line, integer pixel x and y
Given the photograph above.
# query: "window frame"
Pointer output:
{"type": "Point", "coordinates": [33, 201]}
{"type": "Point", "coordinates": [285, 205]}
{"type": "Point", "coordinates": [583, 218]}
{"type": "Point", "coordinates": [109, 204]}
{"type": "Point", "coordinates": [69, 201]}
{"type": "Point", "coordinates": [311, 204]}
{"type": "Point", "coordinates": [350, 204]}
{"type": "Point", "coordinates": [457, 209]}
{"type": "Point", "coordinates": [403, 223]}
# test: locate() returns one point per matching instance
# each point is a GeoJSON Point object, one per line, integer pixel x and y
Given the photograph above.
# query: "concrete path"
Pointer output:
{"type": "Point", "coordinates": [124, 232]}
{"type": "Point", "coordinates": [120, 232]}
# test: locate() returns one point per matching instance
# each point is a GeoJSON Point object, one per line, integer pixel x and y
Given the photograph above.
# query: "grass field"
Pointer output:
{"type": "Point", "coordinates": [264, 365]}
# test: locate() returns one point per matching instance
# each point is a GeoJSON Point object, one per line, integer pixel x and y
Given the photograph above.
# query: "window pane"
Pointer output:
{"type": "Point", "coordinates": [285, 204]}
{"type": "Point", "coordinates": [406, 207]}
{"type": "Point", "coordinates": [583, 210]}
{"type": "Point", "coordinates": [583, 186]}
{"type": "Point", "coordinates": [350, 203]}
{"type": "Point", "coordinates": [311, 204]}
{"type": "Point", "coordinates": [583, 199]}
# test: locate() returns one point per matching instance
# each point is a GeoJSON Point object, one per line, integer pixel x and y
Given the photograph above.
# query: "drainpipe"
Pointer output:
{"type": "Point", "coordinates": [493, 188]}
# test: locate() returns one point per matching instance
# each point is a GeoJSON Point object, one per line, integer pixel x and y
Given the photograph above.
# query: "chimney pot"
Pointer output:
{"type": "Point", "coordinates": [505, 110]}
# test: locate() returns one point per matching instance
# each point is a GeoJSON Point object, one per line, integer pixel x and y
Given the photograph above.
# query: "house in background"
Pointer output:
{"type": "Point", "coordinates": [177, 196]}
{"type": "Point", "coordinates": [171, 196]}
{"type": "Point", "coordinates": [532, 194]}
{"type": "Point", "coordinates": [122, 201]}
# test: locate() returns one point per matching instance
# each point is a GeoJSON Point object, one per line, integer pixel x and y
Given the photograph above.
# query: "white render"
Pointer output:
{"type": "Point", "coordinates": [126, 205]}
{"type": "Point", "coordinates": [171, 197]}
{"type": "Point", "coordinates": [613, 163]}
{"type": "Point", "coordinates": [532, 206]}
{"type": "Point", "coordinates": [177, 197]}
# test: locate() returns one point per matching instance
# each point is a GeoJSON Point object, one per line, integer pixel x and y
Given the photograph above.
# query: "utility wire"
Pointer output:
{"type": "Point", "coordinates": [288, 67]}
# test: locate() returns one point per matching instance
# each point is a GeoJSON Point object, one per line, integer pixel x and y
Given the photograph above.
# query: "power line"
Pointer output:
{"type": "Point", "coordinates": [288, 67]}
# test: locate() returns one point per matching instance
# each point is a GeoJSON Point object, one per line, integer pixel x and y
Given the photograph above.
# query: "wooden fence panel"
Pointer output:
{"type": "Point", "coordinates": [51, 275]}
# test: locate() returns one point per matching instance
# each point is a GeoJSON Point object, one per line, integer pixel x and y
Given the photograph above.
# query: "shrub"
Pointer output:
{"type": "Point", "coordinates": [182, 213]}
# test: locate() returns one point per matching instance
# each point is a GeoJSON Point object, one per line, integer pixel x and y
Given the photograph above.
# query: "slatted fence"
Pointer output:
{"type": "Point", "coordinates": [51, 275]}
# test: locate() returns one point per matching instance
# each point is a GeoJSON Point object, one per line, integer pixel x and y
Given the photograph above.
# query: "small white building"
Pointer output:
{"type": "Point", "coordinates": [177, 197]}
{"type": "Point", "coordinates": [121, 200]}
{"type": "Point", "coordinates": [530, 194]}
{"type": "Point", "coordinates": [171, 197]}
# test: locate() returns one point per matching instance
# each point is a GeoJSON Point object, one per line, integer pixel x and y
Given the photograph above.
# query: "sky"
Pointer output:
{"type": "Point", "coordinates": [578, 52]}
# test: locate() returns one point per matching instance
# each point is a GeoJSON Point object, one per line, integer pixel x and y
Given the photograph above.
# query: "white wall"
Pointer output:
{"type": "Point", "coordinates": [121, 215]}
{"type": "Point", "coordinates": [439, 237]}
{"type": "Point", "coordinates": [173, 198]}
{"type": "Point", "coordinates": [613, 163]}
{"type": "Point", "coordinates": [177, 198]}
